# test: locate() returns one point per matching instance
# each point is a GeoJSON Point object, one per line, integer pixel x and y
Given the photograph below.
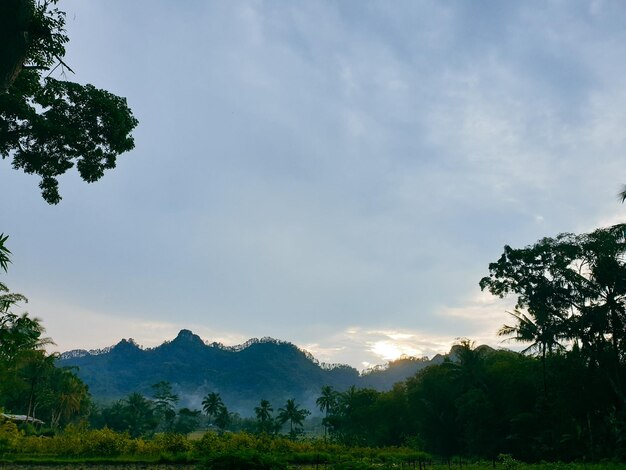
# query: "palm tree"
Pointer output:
{"type": "Point", "coordinates": [35, 368]}
{"type": "Point", "coordinates": [543, 332]}
{"type": "Point", "coordinates": [223, 418]}
{"type": "Point", "coordinates": [71, 396]}
{"type": "Point", "coordinates": [138, 414]}
{"type": "Point", "coordinates": [212, 405]}
{"type": "Point", "coordinates": [292, 413]}
{"type": "Point", "coordinates": [264, 416]}
{"type": "Point", "coordinates": [469, 364]}
{"type": "Point", "coordinates": [326, 403]}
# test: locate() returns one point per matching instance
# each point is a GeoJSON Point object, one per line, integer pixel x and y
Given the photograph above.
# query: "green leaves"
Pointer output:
{"type": "Point", "coordinates": [4, 253]}
{"type": "Point", "coordinates": [48, 126]}
{"type": "Point", "coordinates": [79, 125]}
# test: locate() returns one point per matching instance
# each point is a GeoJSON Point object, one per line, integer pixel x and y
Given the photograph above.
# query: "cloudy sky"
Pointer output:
{"type": "Point", "coordinates": [335, 174]}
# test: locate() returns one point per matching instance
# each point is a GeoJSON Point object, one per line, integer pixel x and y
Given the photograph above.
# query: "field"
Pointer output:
{"type": "Point", "coordinates": [120, 465]}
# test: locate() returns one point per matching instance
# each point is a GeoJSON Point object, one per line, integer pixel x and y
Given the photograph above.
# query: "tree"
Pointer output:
{"type": "Point", "coordinates": [545, 280]}
{"type": "Point", "coordinates": [188, 420]}
{"type": "Point", "coordinates": [263, 412]}
{"type": "Point", "coordinates": [223, 418]}
{"type": "Point", "coordinates": [326, 403]}
{"type": "Point", "coordinates": [7, 299]}
{"type": "Point", "coordinates": [572, 288]}
{"type": "Point", "coordinates": [48, 126]}
{"type": "Point", "coordinates": [165, 401]}
{"type": "Point", "coordinates": [138, 413]}
{"type": "Point", "coordinates": [212, 405]}
{"type": "Point", "coordinates": [294, 414]}
{"type": "Point", "coordinates": [67, 398]}
{"type": "Point", "coordinates": [543, 334]}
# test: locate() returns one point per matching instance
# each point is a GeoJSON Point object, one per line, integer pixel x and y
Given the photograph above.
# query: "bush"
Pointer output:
{"type": "Point", "coordinates": [353, 465]}
{"type": "Point", "coordinates": [104, 443]}
{"type": "Point", "coordinates": [172, 443]}
{"type": "Point", "coordinates": [242, 461]}
{"type": "Point", "coordinates": [9, 436]}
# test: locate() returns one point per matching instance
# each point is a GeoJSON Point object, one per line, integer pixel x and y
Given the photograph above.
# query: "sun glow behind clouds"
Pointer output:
{"type": "Point", "coordinates": [390, 351]}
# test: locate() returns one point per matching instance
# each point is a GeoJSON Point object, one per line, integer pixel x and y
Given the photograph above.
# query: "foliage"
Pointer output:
{"type": "Point", "coordinates": [293, 414]}
{"type": "Point", "coordinates": [9, 436]}
{"type": "Point", "coordinates": [164, 404]}
{"type": "Point", "coordinates": [30, 381]}
{"type": "Point", "coordinates": [213, 405]}
{"type": "Point", "coordinates": [241, 376]}
{"type": "Point", "coordinates": [265, 421]}
{"type": "Point", "coordinates": [243, 460]}
{"type": "Point", "coordinates": [47, 126]}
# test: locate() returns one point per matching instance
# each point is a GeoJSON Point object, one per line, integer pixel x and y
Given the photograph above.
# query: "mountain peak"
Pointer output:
{"type": "Point", "coordinates": [187, 336]}
{"type": "Point", "coordinates": [126, 346]}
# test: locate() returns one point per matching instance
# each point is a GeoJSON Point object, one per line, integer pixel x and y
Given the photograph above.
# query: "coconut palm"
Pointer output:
{"type": "Point", "coordinates": [294, 414]}
{"type": "Point", "coordinates": [326, 403]}
{"type": "Point", "coordinates": [138, 414]}
{"type": "Point", "coordinates": [263, 414]}
{"type": "Point", "coordinates": [71, 396]}
{"type": "Point", "coordinates": [212, 405]}
{"type": "Point", "coordinates": [543, 331]}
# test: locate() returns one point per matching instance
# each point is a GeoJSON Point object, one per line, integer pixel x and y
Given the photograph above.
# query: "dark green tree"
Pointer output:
{"type": "Point", "coordinates": [30, 382]}
{"type": "Point", "coordinates": [187, 421]}
{"type": "Point", "coordinates": [48, 126]}
{"type": "Point", "coordinates": [326, 403]}
{"type": "Point", "coordinates": [265, 421]}
{"type": "Point", "coordinates": [212, 404]}
{"type": "Point", "coordinates": [138, 415]}
{"type": "Point", "coordinates": [165, 401]}
{"type": "Point", "coordinates": [295, 415]}
{"type": "Point", "coordinates": [223, 418]}
{"type": "Point", "coordinates": [573, 287]}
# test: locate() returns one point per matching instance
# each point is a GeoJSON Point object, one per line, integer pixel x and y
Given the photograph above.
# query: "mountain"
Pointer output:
{"type": "Point", "coordinates": [243, 375]}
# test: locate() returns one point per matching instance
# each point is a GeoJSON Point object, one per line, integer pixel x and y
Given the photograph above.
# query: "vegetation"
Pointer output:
{"type": "Point", "coordinates": [260, 369]}
{"type": "Point", "coordinates": [47, 125]}
{"type": "Point", "coordinates": [30, 382]}
{"type": "Point", "coordinates": [233, 450]}
{"type": "Point", "coordinates": [479, 402]}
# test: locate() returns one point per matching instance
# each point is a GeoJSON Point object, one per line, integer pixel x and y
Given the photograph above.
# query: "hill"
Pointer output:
{"type": "Point", "coordinates": [243, 375]}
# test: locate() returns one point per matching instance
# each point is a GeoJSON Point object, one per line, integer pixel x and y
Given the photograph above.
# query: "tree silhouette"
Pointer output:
{"type": "Point", "coordinates": [165, 401]}
{"type": "Point", "coordinates": [70, 396]}
{"type": "Point", "coordinates": [263, 414]}
{"type": "Point", "coordinates": [48, 126]}
{"type": "Point", "coordinates": [223, 418]}
{"type": "Point", "coordinates": [212, 405]}
{"type": "Point", "coordinates": [294, 414]}
{"type": "Point", "coordinates": [326, 403]}
{"type": "Point", "coordinates": [138, 414]}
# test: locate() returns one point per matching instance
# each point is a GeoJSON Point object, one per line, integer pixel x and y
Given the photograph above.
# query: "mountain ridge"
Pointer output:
{"type": "Point", "coordinates": [244, 374]}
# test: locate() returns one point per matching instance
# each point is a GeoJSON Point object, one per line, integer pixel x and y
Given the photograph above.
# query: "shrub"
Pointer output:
{"type": "Point", "coordinates": [104, 443]}
{"type": "Point", "coordinates": [9, 436]}
{"type": "Point", "coordinates": [353, 465]}
{"type": "Point", "coordinates": [172, 443]}
{"type": "Point", "coordinates": [249, 460]}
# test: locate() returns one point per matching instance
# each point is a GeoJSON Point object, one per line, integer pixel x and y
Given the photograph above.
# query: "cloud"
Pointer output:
{"type": "Point", "coordinates": [342, 182]}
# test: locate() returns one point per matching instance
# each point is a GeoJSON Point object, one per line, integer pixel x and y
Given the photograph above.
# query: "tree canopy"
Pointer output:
{"type": "Point", "coordinates": [48, 126]}
{"type": "Point", "coordinates": [30, 381]}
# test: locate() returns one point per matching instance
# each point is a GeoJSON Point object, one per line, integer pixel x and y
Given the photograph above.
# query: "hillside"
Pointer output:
{"type": "Point", "coordinates": [243, 375]}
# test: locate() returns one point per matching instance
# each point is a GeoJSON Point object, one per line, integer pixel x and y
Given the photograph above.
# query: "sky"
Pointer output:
{"type": "Point", "coordinates": [334, 174]}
